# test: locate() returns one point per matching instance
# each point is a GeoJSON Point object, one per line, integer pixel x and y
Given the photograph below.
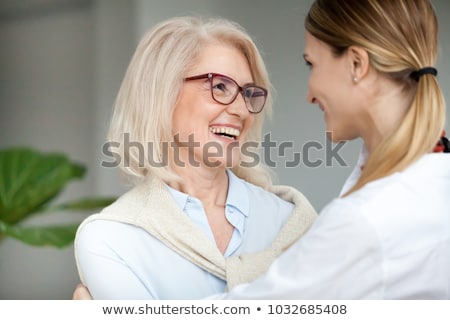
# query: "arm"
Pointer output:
{"type": "Point", "coordinates": [81, 293]}
{"type": "Point", "coordinates": [338, 258]}
{"type": "Point", "coordinates": [103, 250]}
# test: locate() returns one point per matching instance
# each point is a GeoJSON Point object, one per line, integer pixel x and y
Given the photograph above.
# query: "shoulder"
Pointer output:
{"type": "Point", "coordinates": [267, 197]}
{"type": "Point", "coordinates": [114, 240]}
{"type": "Point", "coordinates": [113, 222]}
{"type": "Point", "coordinates": [395, 212]}
{"type": "Point", "coordinates": [278, 194]}
{"type": "Point", "coordinates": [418, 185]}
{"type": "Point", "coordinates": [250, 196]}
{"type": "Point", "coordinates": [281, 204]}
{"type": "Point", "coordinates": [405, 203]}
{"type": "Point", "coordinates": [106, 232]}
{"type": "Point", "coordinates": [371, 201]}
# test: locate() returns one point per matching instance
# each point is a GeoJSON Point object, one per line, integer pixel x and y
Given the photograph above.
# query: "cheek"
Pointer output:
{"type": "Point", "coordinates": [318, 87]}
{"type": "Point", "coordinates": [311, 81]}
{"type": "Point", "coordinates": [177, 120]}
{"type": "Point", "coordinates": [184, 124]}
{"type": "Point", "coordinates": [338, 98]}
{"type": "Point", "coordinates": [247, 126]}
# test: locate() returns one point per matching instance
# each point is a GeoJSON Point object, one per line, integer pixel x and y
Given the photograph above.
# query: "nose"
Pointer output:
{"type": "Point", "coordinates": [310, 97]}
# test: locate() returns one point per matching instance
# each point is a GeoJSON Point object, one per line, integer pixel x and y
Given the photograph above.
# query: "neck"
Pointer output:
{"type": "Point", "coordinates": [208, 185]}
{"type": "Point", "coordinates": [385, 111]}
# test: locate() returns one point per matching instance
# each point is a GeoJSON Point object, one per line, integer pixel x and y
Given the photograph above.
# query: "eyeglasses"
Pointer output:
{"type": "Point", "coordinates": [224, 90]}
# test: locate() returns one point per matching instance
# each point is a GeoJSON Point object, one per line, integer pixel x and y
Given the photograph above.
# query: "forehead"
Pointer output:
{"type": "Point", "coordinates": [314, 46]}
{"type": "Point", "coordinates": [223, 59]}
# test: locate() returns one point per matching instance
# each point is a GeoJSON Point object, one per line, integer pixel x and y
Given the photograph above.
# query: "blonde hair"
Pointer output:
{"type": "Point", "coordinates": [400, 37]}
{"type": "Point", "coordinates": [152, 84]}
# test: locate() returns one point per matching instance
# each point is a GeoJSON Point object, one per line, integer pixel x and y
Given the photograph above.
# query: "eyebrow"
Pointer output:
{"type": "Point", "coordinates": [229, 79]}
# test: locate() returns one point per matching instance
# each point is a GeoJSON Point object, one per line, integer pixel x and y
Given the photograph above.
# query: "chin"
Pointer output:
{"type": "Point", "coordinates": [335, 137]}
{"type": "Point", "coordinates": [331, 136]}
{"type": "Point", "coordinates": [219, 163]}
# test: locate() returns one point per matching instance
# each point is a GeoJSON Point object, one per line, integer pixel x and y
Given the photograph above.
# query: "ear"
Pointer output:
{"type": "Point", "coordinates": [359, 62]}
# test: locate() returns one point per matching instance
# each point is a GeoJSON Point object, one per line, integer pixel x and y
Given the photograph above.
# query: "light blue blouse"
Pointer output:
{"type": "Point", "coordinates": [121, 261]}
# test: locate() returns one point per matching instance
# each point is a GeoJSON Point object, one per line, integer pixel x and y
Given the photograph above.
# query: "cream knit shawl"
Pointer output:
{"type": "Point", "coordinates": [150, 206]}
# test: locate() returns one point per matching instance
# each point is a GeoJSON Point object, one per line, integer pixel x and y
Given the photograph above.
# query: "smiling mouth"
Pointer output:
{"type": "Point", "coordinates": [227, 132]}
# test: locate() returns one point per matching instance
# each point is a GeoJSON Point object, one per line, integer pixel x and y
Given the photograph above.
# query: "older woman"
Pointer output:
{"type": "Point", "coordinates": [201, 217]}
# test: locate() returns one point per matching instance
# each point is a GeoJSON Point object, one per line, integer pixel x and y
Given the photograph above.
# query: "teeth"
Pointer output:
{"type": "Point", "coordinates": [225, 130]}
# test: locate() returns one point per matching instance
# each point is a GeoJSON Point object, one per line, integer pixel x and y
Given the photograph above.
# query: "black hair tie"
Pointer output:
{"type": "Point", "coordinates": [427, 70]}
{"type": "Point", "coordinates": [446, 143]}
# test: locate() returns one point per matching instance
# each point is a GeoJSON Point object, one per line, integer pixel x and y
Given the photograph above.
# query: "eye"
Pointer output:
{"type": "Point", "coordinates": [308, 64]}
{"type": "Point", "coordinates": [220, 86]}
{"type": "Point", "coordinates": [253, 92]}
{"type": "Point", "coordinates": [248, 92]}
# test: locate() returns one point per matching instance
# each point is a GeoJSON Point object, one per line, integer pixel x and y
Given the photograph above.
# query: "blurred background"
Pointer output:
{"type": "Point", "coordinates": [61, 64]}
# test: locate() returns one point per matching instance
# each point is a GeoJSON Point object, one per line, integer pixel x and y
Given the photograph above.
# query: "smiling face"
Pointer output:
{"type": "Point", "coordinates": [331, 86]}
{"type": "Point", "coordinates": [214, 130]}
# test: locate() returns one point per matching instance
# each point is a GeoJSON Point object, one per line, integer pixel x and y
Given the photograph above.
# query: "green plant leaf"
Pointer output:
{"type": "Point", "coordinates": [30, 179]}
{"type": "Point", "coordinates": [53, 236]}
{"type": "Point", "coordinates": [82, 204]}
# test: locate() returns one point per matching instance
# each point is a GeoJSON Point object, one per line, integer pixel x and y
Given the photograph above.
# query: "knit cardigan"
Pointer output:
{"type": "Point", "coordinates": [150, 206]}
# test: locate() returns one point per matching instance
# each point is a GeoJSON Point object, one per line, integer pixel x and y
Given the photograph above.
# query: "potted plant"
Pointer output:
{"type": "Point", "coordinates": [29, 182]}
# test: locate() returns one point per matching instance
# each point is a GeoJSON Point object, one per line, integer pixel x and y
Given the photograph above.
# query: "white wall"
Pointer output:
{"type": "Point", "coordinates": [61, 64]}
{"type": "Point", "coordinates": [46, 101]}
{"type": "Point", "coordinates": [60, 70]}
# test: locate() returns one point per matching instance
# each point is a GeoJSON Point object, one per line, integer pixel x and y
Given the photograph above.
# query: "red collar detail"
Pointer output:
{"type": "Point", "coordinates": [440, 145]}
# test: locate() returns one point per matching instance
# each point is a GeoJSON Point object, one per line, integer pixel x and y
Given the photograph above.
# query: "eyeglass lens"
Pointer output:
{"type": "Point", "coordinates": [225, 90]}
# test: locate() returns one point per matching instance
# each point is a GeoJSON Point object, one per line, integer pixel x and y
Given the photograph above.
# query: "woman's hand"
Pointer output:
{"type": "Point", "coordinates": [81, 293]}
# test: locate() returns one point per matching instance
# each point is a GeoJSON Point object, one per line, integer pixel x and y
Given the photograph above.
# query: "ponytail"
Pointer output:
{"type": "Point", "coordinates": [417, 135]}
